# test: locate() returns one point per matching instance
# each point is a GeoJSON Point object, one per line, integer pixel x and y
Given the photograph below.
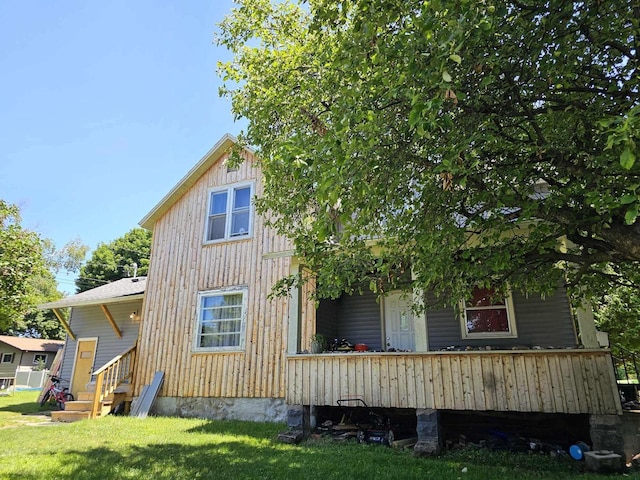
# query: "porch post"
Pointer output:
{"type": "Point", "coordinates": [293, 340]}
{"type": "Point", "coordinates": [587, 325]}
{"type": "Point", "coordinates": [420, 320]}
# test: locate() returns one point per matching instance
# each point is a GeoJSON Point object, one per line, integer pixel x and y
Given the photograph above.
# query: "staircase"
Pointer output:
{"type": "Point", "coordinates": [112, 385]}
{"type": "Point", "coordinates": [81, 409]}
{"type": "Point", "coordinates": [627, 369]}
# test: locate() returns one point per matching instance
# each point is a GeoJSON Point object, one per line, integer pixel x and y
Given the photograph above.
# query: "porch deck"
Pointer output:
{"type": "Point", "coordinates": [550, 381]}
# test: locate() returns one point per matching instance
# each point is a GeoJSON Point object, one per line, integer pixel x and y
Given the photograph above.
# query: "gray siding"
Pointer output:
{"type": "Point", "coordinates": [8, 370]}
{"type": "Point", "coordinates": [545, 323]}
{"type": "Point", "coordinates": [90, 322]}
{"type": "Point", "coordinates": [353, 317]}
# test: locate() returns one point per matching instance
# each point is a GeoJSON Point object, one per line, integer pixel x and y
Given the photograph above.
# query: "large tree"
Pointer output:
{"type": "Point", "coordinates": [479, 142]}
{"type": "Point", "coordinates": [21, 259]}
{"type": "Point", "coordinates": [123, 257]}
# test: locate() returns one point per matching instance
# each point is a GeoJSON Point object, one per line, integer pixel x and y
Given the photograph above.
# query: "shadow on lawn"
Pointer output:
{"type": "Point", "coordinates": [268, 460]}
{"type": "Point", "coordinates": [24, 408]}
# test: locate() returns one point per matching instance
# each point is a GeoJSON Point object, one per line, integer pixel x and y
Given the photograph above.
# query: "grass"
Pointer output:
{"type": "Point", "coordinates": [174, 448]}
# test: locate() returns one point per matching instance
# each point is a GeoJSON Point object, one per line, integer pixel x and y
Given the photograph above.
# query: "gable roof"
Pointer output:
{"type": "Point", "coordinates": [211, 157]}
{"type": "Point", "coordinates": [32, 344]}
{"type": "Point", "coordinates": [121, 290]}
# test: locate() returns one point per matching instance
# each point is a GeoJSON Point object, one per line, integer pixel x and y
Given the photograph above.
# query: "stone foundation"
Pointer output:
{"type": "Point", "coordinates": [606, 433]}
{"type": "Point", "coordinates": [249, 409]}
{"type": "Point", "coordinates": [428, 428]}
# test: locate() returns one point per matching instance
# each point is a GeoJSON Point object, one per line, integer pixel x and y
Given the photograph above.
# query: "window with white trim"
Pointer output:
{"type": "Point", "coordinates": [229, 214]}
{"type": "Point", "coordinates": [39, 358]}
{"type": "Point", "coordinates": [7, 358]}
{"type": "Point", "coordinates": [221, 320]}
{"type": "Point", "coordinates": [486, 315]}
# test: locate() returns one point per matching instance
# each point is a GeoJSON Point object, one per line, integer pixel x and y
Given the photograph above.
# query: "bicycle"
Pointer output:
{"type": "Point", "coordinates": [57, 394]}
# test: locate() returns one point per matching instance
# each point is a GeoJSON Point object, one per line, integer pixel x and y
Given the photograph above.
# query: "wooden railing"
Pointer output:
{"type": "Point", "coordinates": [552, 381]}
{"type": "Point", "coordinates": [111, 375]}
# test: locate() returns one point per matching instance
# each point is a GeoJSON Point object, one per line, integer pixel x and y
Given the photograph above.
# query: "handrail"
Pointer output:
{"type": "Point", "coordinates": [627, 360]}
{"type": "Point", "coordinates": [111, 375]}
{"type": "Point", "coordinates": [114, 360]}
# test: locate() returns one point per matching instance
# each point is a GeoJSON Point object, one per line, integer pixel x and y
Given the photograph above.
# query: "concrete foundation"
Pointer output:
{"type": "Point", "coordinates": [606, 433]}
{"type": "Point", "coordinates": [631, 434]}
{"type": "Point", "coordinates": [249, 409]}
{"type": "Point", "coordinates": [603, 462]}
{"type": "Point", "coordinates": [429, 430]}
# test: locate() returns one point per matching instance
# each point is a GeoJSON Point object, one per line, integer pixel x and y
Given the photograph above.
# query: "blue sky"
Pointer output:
{"type": "Point", "coordinates": [104, 106]}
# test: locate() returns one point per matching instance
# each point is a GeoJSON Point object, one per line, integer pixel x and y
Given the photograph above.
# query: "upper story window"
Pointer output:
{"type": "Point", "coordinates": [229, 214]}
{"type": "Point", "coordinates": [7, 358]}
{"type": "Point", "coordinates": [221, 320]}
{"type": "Point", "coordinates": [485, 315]}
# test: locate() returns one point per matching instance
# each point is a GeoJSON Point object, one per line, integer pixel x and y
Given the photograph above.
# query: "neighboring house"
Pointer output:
{"type": "Point", "coordinates": [103, 324]}
{"type": "Point", "coordinates": [228, 350]}
{"type": "Point", "coordinates": [25, 352]}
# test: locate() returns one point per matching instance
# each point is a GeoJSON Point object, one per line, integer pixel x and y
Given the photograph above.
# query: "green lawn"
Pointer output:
{"type": "Point", "coordinates": [173, 448]}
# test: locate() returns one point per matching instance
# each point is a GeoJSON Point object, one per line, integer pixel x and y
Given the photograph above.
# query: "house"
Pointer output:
{"type": "Point", "coordinates": [230, 351]}
{"type": "Point", "coordinates": [103, 326]}
{"type": "Point", "coordinates": [29, 353]}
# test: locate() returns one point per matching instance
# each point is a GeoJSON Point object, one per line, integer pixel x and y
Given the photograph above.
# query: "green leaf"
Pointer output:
{"type": "Point", "coordinates": [627, 158]}
{"type": "Point", "coordinates": [446, 77]}
{"type": "Point", "coordinates": [455, 58]}
{"type": "Point", "coordinates": [628, 198]}
{"type": "Point", "coordinates": [631, 215]}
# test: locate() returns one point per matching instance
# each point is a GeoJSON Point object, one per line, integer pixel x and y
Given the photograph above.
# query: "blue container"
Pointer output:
{"type": "Point", "coordinates": [577, 451]}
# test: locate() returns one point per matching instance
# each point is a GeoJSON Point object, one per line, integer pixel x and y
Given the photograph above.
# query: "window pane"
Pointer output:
{"type": "Point", "coordinates": [216, 227]}
{"type": "Point", "coordinates": [488, 320]}
{"type": "Point", "coordinates": [218, 203]}
{"type": "Point", "coordinates": [221, 321]}
{"type": "Point", "coordinates": [240, 224]}
{"type": "Point", "coordinates": [484, 297]}
{"type": "Point", "coordinates": [213, 301]}
{"type": "Point", "coordinates": [242, 197]}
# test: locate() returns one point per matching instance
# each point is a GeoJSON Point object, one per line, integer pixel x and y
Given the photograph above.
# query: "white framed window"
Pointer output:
{"type": "Point", "coordinates": [39, 358]}
{"type": "Point", "coordinates": [7, 358]}
{"type": "Point", "coordinates": [486, 315]}
{"type": "Point", "coordinates": [221, 320]}
{"type": "Point", "coordinates": [229, 213]}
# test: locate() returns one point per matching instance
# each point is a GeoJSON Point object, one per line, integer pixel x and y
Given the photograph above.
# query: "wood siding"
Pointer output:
{"type": "Point", "coordinates": [181, 267]}
{"type": "Point", "coordinates": [550, 381]}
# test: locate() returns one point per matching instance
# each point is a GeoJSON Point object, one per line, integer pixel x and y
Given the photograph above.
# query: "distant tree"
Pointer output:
{"type": "Point", "coordinates": [21, 260]}
{"type": "Point", "coordinates": [68, 258]}
{"type": "Point", "coordinates": [618, 314]}
{"type": "Point", "coordinates": [40, 323]}
{"type": "Point", "coordinates": [124, 257]}
{"type": "Point", "coordinates": [480, 142]}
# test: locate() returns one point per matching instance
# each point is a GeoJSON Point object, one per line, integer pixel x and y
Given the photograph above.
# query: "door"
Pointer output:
{"type": "Point", "coordinates": [83, 365]}
{"type": "Point", "coordinates": [399, 324]}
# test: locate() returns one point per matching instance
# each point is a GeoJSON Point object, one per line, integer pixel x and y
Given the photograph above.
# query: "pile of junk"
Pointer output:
{"type": "Point", "coordinates": [354, 419]}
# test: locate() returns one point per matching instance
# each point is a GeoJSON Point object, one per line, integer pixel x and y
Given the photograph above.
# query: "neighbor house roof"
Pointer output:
{"type": "Point", "coordinates": [118, 291]}
{"type": "Point", "coordinates": [32, 344]}
{"type": "Point", "coordinates": [210, 158]}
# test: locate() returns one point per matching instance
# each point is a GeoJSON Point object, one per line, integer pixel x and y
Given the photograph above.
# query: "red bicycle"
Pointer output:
{"type": "Point", "coordinates": [56, 394]}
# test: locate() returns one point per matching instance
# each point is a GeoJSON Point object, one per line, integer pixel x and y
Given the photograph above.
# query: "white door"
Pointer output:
{"type": "Point", "coordinates": [399, 325]}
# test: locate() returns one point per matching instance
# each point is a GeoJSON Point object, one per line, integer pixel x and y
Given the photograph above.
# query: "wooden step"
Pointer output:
{"type": "Point", "coordinates": [68, 416]}
{"type": "Point", "coordinates": [85, 396]}
{"type": "Point", "coordinates": [79, 406]}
